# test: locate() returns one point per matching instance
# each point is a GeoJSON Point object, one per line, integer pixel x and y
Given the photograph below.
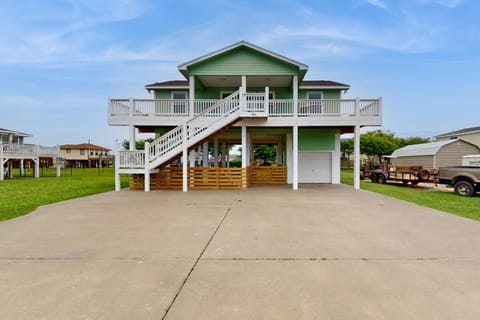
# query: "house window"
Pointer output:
{"type": "Point", "coordinates": [82, 152]}
{"type": "Point", "coordinates": [180, 107]}
{"type": "Point", "coordinates": [91, 153]}
{"type": "Point", "coordinates": [69, 151]}
{"type": "Point", "coordinates": [314, 104]}
{"type": "Point", "coordinates": [5, 139]}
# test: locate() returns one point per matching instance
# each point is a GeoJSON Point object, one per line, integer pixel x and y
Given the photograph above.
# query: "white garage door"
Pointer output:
{"type": "Point", "coordinates": [314, 167]}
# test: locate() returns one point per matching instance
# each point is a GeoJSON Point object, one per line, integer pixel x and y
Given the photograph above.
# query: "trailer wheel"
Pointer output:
{"type": "Point", "coordinates": [373, 177]}
{"type": "Point", "coordinates": [464, 188]}
{"type": "Point", "coordinates": [423, 175]}
{"type": "Point", "coordinates": [381, 179]}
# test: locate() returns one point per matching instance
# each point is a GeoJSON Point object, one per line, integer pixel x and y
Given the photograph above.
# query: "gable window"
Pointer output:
{"type": "Point", "coordinates": [180, 107]}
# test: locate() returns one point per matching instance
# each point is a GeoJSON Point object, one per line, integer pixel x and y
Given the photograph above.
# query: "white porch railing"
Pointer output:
{"type": "Point", "coordinates": [27, 151]}
{"type": "Point", "coordinates": [132, 159]}
{"type": "Point", "coordinates": [254, 103]}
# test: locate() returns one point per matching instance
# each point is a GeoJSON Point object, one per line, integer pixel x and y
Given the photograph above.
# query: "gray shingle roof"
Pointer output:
{"type": "Point", "coordinates": [459, 132]}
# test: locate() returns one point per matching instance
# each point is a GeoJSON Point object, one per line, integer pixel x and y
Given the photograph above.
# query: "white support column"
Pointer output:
{"type": "Point", "coordinates": [265, 100]}
{"type": "Point", "coordinates": [147, 167]}
{"type": "Point", "coordinates": [185, 159]}
{"type": "Point", "coordinates": [37, 167]}
{"type": "Point", "coordinates": [205, 155]}
{"type": "Point", "coordinates": [215, 152]}
{"type": "Point", "coordinates": [22, 168]}
{"type": "Point", "coordinates": [295, 96]}
{"type": "Point", "coordinates": [336, 160]}
{"type": "Point", "coordinates": [2, 172]}
{"type": "Point", "coordinates": [243, 91]}
{"type": "Point", "coordinates": [191, 95]}
{"type": "Point", "coordinates": [224, 155]}
{"type": "Point", "coordinates": [249, 149]}
{"type": "Point", "coordinates": [295, 157]}
{"type": "Point", "coordinates": [132, 137]}
{"type": "Point", "coordinates": [117, 167]}
{"type": "Point", "coordinates": [244, 146]}
{"type": "Point", "coordinates": [57, 161]}
{"type": "Point", "coordinates": [356, 158]}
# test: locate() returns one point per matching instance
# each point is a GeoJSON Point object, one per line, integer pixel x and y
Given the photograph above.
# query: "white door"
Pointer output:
{"type": "Point", "coordinates": [314, 167]}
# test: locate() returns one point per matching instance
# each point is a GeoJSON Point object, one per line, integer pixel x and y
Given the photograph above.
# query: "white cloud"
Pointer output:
{"type": "Point", "coordinates": [377, 3]}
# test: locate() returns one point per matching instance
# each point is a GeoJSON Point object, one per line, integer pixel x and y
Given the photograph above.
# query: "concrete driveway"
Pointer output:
{"type": "Point", "coordinates": [322, 252]}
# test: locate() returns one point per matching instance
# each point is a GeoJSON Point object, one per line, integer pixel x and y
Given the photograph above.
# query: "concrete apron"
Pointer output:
{"type": "Point", "coordinates": [263, 253]}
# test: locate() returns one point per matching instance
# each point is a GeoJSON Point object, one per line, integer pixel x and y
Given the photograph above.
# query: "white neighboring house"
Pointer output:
{"type": "Point", "coordinates": [13, 149]}
{"type": "Point", "coordinates": [241, 94]}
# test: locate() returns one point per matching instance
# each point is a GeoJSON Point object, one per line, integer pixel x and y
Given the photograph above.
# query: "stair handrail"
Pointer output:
{"type": "Point", "coordinates": [174, 138]}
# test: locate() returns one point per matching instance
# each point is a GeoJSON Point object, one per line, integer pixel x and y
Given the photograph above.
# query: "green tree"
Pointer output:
{"type": "Point", "coordinates": [378, 143]}
{"type": "Point", "coordinates": [346, 146]}
{"type": "Point", "coordinates": [139, 144]}
{"type": "Point", "coordinates": [268, 153]}
{"type": "Point", "coordinates": [402, 142]}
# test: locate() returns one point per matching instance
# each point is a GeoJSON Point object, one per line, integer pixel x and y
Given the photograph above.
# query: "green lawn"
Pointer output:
{"type": "Point", "coordinates": [24, 194]}
{"type": "Point", "coordinates": [440, 200]}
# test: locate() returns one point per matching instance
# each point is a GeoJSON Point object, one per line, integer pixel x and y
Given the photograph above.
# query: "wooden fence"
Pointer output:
{"type": "Point", "coordinates": [198, 178]}
{"type": "Point", "coordinates": [267, 175]}
{"type": "Point", "coordinates": [211, 178]}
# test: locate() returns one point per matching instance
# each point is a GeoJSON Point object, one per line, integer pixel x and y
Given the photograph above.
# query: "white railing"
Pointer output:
{"type": "Point", "coordinates": [131, 159]}
{"type": "Point", "coordinates": [170, 143]}
{"type": "Point", "coordinates": [203, 104]}
{"type": "Point", "coordinates": [254, 102]}
{"type": "Point", "coordinates": [280, 108]}
{"type": "Point", "coordinates": [326, 107]}
{"type": "Point", "coordinates": [27, 150]}
{"type": "Point", "coordinates": [370, 107]}
{"type": "Point", "coordinates": [119, 107]}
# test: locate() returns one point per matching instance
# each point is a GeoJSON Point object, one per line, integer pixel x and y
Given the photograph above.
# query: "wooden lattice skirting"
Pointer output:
{"type": "Point", "coordinates": [211, 178]}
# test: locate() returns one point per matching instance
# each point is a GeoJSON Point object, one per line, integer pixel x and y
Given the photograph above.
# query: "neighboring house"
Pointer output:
{"type": "Point", "coordinates": [433, 155]}
{"type": "Point", "coordinates": [85, 155]}
{"type": "Point", "coordinates": [471, 135]}
{"type": "Point", "coordinates": [15, 154]}
{"type": "Point", "coordinates": [247, 95]}
{"type": "Point", "coordinates": [12, 137]}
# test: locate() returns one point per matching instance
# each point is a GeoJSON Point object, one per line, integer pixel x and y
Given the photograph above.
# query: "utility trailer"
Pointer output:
{"type": "Point", "coordinates": [406, 175]}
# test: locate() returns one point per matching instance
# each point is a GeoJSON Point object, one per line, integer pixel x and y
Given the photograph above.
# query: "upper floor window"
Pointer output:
{"type": "Point", "coordinates": [69, 151]}
{"type": "Point", "coordinates": [180, 106]}
{"type": "Point", "coordinates": [82, 152]}
{"type": "Point", "coordinates": [5, 139]}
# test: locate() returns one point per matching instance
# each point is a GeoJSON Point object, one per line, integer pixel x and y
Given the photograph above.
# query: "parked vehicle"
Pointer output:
{"type": "Point", "coordinates": [387, 172]}
{"type": "Point", "coordinates": [464, 179]}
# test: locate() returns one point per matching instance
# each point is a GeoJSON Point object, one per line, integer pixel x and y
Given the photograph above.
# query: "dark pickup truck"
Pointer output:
{"type": "Point", "coordinates": [465, 180]}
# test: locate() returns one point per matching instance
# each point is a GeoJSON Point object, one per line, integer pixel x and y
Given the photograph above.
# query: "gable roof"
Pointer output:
{"type": "Point", "coordinates": [184, 66]}
{"type": "Point", "coordinates": [422, 149]}
{"type": "Point", "coordinates": [306, 84]}
{"type": "Point", "coordinates": [459, 132]}
{"type": "Point", "coordinates": [16, 133]}
{"type": "Point", "coordinates": [87, 146]}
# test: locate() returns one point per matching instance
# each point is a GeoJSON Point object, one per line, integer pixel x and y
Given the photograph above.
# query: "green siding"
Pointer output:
{"type": "Point", "coordinates": [316, 139]}
{"type": "Point", "coordinates": [243, 61]}
{"type": "Point", "coordinates": [167, 93]}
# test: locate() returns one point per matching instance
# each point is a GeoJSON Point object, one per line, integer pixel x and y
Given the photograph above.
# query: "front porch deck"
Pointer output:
{"type": "Point", "coordinates": [171, 112]}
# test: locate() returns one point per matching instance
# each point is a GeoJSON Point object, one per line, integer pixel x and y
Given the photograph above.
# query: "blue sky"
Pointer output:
{"type": "Point", "coordinates": [61, 60]}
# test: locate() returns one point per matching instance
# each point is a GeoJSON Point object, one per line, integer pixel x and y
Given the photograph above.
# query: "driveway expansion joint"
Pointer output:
{"type": "Point", "coordinates": [167, 310]}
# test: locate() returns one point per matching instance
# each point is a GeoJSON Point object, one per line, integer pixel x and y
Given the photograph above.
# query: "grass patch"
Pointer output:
{"type": "Point", "coordinates": [468, 207]}
{"type": "Point", "coordinates": [24, 194]}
